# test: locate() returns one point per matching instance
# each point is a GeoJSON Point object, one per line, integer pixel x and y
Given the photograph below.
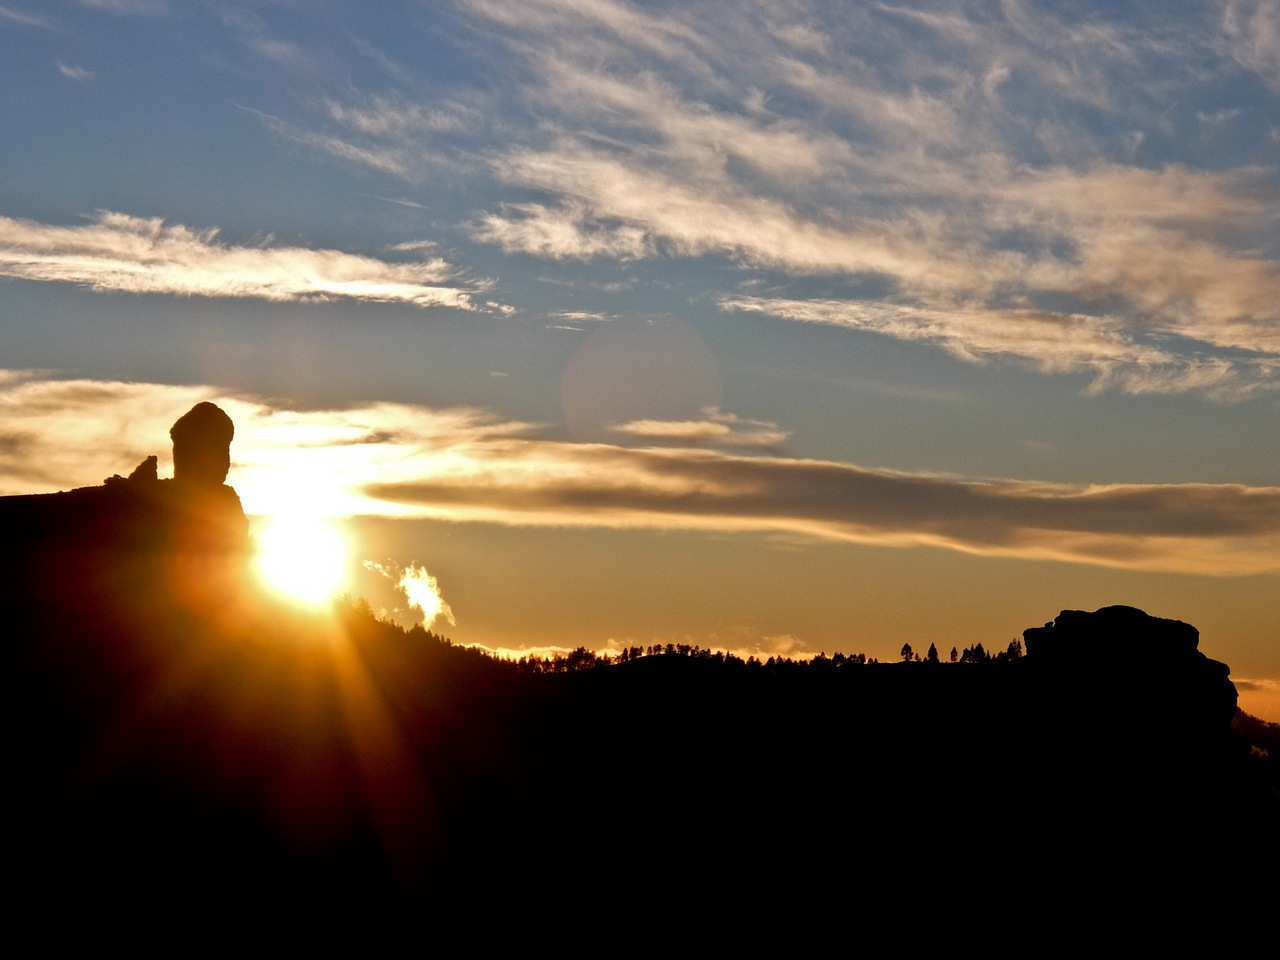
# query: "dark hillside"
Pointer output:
{"type": "Point", "coordinates": [178, 740]}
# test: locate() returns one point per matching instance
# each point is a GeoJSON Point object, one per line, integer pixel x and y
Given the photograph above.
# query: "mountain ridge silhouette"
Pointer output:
{"type": "Point", "coordinates": [176, 735]}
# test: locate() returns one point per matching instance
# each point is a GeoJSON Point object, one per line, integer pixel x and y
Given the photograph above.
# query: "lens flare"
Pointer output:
{"type": "Point", "coordinates": [302, 558]}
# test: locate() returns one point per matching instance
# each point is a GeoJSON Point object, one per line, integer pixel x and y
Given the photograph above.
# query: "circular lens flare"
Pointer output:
{"type": "Point", "coordinates": [302, 558]}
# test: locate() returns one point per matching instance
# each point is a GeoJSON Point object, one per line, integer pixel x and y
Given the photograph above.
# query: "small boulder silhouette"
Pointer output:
{"type": "Point", "coordinates": [146, 471]}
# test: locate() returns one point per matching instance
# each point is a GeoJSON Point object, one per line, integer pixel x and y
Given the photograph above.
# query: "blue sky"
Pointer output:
{"type": "Point", "coordinates": [658, 321]}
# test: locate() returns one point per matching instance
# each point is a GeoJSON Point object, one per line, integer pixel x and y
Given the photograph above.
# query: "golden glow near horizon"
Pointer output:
{"type": "Point", "coordinates": [303, 558]}
{"type": "Point", "coordinates": [416, 462]}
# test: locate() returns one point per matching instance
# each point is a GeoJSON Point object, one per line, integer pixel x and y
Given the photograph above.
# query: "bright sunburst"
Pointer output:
{"type": "Point", "coordinates": [302, 558]}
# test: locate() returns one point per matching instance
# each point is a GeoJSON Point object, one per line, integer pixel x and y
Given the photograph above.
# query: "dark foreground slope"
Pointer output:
{"type": "Point", "coordinates": [287, 762]}
{"type": "Point", "coordinates": [179, 745]}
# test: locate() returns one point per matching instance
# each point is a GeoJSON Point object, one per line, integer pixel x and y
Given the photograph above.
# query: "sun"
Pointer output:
{"type": "Point", "coordinates": [302, 558]}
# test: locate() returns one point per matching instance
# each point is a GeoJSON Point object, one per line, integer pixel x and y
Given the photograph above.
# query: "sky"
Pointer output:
{"type": "Point", "coordinates": [779, 327]}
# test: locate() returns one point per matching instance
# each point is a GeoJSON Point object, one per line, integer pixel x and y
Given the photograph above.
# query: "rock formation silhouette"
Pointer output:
{"type": "Point", "coordinates": [202, 445]}
{"type": "Point", "coordinates": [131, 540]}
{"type": "Point", "coordinates": [1137, 665]}
{"type": "Point", "coordinates": [1128, 735]}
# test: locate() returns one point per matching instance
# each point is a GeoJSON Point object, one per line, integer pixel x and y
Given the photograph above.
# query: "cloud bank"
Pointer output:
{"type": "Point", "coordinates": [469, 466]}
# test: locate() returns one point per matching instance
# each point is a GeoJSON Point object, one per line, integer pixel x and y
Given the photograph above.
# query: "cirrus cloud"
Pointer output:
{"type": "Point", "coordinates": [1053, 342]}
{"type": "Point", "coordinates": [1000, 173]}
{"type": "Point", "coordinates": [122, 253]}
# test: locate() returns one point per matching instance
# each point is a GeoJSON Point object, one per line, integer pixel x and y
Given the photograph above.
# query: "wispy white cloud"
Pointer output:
{"type": "Point", "coordinates": [625, 211]}
{"type": "Point", "coordinates": [695, 430]}
{"type": "Point", "coordinates": [900, 146]}
{"type": "Point", "coordinates": [79, 74]}
{"type": "Point", "coordinates": [117, 252]}
{"type": "Point", "coordinates": [583, 316]}
{"type": "Point", "coordinates": [1252, 29]}
{"type": "Point", "coordinates": [1053, 342]}
{"type": "Point", "coordinates": [23, 18]}
{"type": "Point", "coordinates": [241, 19]}
{"type": "Point", "coordinates": [140, 8]}
{"type": "Point", "coordinates": [388, 117]}
{"type": "Point", "coordinates": [401, 202]}
{"type": "Point", "coordinates": [718, 427]}
{"type": "Point", "coordinates": [1218, 116]}
{"type": "Point", "coordinates": [390, 134]}
{"type": "Point", "coordinates": [567, 232]}
{"type": "Point", "coordinates": [280, 51]}
{"type": "Point", "coordinates": [1132, 237]}
{"type": "Point", "coordinates": [387, 159]}
{"type": "Point", "coordinates": [997, 174]}
{"type": "Point", "coordinates": [466, 465]}
{"type": "Point", "coordinates": [594, 23]}
{"type": "Point", "coordinates": [375, 54]}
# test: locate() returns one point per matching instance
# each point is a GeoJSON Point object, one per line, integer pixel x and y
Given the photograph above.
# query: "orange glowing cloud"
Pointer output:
{"type": "Point", "coordinates": [398, 460]}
